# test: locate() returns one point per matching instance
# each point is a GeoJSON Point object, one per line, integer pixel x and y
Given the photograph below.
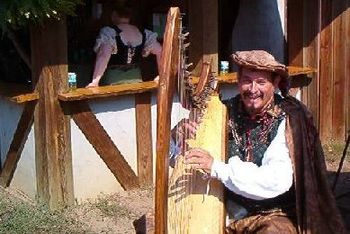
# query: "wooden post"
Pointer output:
{"type": "Point", "coordinates": [204, 28]}
{"type": "Point", "coordinates": [53, 154]}
{"type": "Point", "coordinates": [144, 138]}
{"type": "Point", "coordinates": [311, 24]}
{"type": "Point", "coordinates": [339, 69]}
{"type": "Point", "coordinates": [347, 69]}
{"type": "Point", "coordinates": [326, 70]}
{"type": "Point", "coordinates": [295, 35]}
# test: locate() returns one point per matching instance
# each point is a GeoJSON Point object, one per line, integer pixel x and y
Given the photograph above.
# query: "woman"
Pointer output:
{"type": "Point", "coordinates": [119, 49]}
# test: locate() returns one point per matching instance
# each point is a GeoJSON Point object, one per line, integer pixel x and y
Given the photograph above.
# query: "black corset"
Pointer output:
{"type": "Point", "coordinates": [126, 54]}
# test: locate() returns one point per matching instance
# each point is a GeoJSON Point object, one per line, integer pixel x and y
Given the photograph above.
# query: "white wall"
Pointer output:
{"type": "Point", "coordinates": [24, 177]}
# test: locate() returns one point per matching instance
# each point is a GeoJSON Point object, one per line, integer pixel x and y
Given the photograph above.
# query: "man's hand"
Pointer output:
{"type": "Point", "coordinates": [199, 159]}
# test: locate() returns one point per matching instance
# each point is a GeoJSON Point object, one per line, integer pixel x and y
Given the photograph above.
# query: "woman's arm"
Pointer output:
{"type": "Point", "coordinates": [105, 46]}
{"type": "Point", "coordinates": [102, 58]}
{"type": "Point", "coordinates": [152, 46]}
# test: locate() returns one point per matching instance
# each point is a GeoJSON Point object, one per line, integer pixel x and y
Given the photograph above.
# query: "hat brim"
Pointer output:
{"type": "Point", "coordinates": [261, 63]}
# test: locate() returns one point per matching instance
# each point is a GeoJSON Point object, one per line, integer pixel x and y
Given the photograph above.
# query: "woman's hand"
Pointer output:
{"type": "Point", "coordinates": [199, 159]}
{"type": "Point", "coordinates": [92, 84]}
{"type": "Point", "coordinates": [185, 129]}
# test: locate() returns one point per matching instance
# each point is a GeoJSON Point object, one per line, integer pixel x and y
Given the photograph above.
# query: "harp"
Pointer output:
{"type": "Point", "coordinates": [187, 202]}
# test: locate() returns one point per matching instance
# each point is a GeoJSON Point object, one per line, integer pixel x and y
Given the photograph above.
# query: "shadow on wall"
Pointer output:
{"type": "Point", "coordinates": [258, 26]}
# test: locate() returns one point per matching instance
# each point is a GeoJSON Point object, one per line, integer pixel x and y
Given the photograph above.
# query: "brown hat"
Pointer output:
{"type": "Point", "coordinates": [259, 60]}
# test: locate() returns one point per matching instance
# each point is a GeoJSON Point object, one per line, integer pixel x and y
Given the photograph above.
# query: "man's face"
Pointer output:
{"type": "Point", "coordinates": [256, 88]}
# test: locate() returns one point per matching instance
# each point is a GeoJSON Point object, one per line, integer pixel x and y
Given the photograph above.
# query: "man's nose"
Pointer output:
{"type": "Point", "coordinates": [253, 87]}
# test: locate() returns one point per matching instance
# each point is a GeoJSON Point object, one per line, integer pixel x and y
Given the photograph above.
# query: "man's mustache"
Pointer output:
{"type": "Point", "coordinates": [248, 94]}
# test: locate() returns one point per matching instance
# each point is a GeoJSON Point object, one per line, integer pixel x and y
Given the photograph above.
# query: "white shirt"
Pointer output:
{"type": "Point", "coordinates": [274, 177]}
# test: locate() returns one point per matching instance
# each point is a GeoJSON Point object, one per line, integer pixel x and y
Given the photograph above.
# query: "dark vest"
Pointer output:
{"type": "Point", "coordinates": [249, 139]}
{"type": "Point", "coordinates": [126, 54]}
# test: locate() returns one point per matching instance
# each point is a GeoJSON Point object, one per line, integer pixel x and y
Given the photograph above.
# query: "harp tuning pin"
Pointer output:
{"type": "Point", "coordinates": [185, 34]}
{"type": "Point", "coordinates": [187, 45]}
{"type": "Point", "coordinates": [187, 73]}
{"type": "Point", "coordinates": [188, 65]}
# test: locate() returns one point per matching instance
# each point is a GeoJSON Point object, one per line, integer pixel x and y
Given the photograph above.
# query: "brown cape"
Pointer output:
{"type": "Point", "coordinates": [315, 204]}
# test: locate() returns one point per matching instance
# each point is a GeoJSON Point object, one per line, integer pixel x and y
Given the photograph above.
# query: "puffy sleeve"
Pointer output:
{"type": "Point", "coordinates": [106, 37]}
{"type": "Point", "coordinates": [151, 46]}
{"type": "Point", "coordinates": [274, 177]}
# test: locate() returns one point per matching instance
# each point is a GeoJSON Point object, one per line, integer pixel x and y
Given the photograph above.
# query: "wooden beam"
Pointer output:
{"type": "Point", "coordinates": [108, 91]}
{"type": "Point", "coordinates": [144, 87]}
{"type": "Point", "coordinates": [347, 68]}
{"type": "Point", "coordinates": [103, 144]}
{"type": "Point", "coordinates": [311, 94]}
{"type": "Point", "coordinates": [295, 36]}
{"type": "Point", "coordinates": [144, 138]}
{"type": "Point", "coordinates": [17, 93]}
{"type": "Point", "coordinates": [326, 74]}
{"type": "Point", "coordinates": [204, 29]}
{"type": "Point", "coordinates": [339, 70]}
{"type": "Point", "coordinates": [17, 144]}
{"type": "Point", "coordinates": [295, 32]}
{"type": "Point", "coordinates": [53, 156]}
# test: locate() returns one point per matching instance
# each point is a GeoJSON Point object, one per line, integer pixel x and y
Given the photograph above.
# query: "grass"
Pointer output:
{"type": "Point", "coordinates": [333, 151]}
{"type": "Point", "coordinates": [18, 216]}
{"type": "Point", "coordinates": [109, 208]}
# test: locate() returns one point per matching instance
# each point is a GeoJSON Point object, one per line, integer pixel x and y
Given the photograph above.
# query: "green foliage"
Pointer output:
{"type": "Point", "coordinates": [19, 13]}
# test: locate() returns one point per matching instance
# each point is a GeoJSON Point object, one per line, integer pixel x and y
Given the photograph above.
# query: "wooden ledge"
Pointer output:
{"type": "Point", "coordinates": [231, 78]}
{"type": "Point", "coordinates": [108, 91]}
{"type": "Point", "coordinates": [17, 93]}
{"type": "Point", "coordinates": [126, 89]}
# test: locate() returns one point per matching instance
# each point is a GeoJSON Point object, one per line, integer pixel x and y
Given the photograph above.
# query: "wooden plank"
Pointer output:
{"type": "Point", "coordinates": [103, 144]}
{"type": "Point", "coordinates": [17, 144]}
{"type": "Point", "coordinates": [143, 87]}
{"type": "Point", "coordinates": [326, 75]}
{"type": "Point", "coordinates": [293, 71]}
{"type": "Point", "coordinates": [295, 36]}
{"type": "Point", "coordinates": [347, 40]}
{"type": "Point", "coordinates": [17, 93]}
{"type": "Point", "coordinates": [53, 155]}
{"type": "Point", "coordinates": [144, 138]}
{"type": "Point", "coordinates": [203, 25]}
{"type": "Point", "coordinates": [295, 32]}
{"type": "Point", "coordinates": [339, 70]}
{"type": "Point", "coordinates": [108, 91]}
{"type": "Point", "coordinates": [311, 27]}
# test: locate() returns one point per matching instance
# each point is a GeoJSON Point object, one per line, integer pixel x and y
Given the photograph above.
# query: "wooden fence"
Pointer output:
{"type": "Point", "coordinates": [323, 43]}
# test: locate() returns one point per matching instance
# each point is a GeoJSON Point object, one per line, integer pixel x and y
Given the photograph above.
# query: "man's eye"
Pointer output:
{"type": "Point", "coordinates": [261, 82]}
{"type": "Point", "coordinates": [245, 82]}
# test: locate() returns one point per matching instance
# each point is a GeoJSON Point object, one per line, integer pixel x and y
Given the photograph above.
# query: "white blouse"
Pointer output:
{"type": "Point", "coordinates": [274, 177]}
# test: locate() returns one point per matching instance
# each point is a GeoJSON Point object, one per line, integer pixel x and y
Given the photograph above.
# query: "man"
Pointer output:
{"type": "Point", "coordinates": [275, 173]}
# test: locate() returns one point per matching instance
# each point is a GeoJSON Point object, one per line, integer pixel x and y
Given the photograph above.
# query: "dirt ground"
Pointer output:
{"type": "Point", "coordinates": [134, 204]}
{"type": "Point", "coordinates": [116, 213]}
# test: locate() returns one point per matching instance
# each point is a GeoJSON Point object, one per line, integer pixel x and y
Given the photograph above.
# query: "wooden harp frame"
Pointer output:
{"type": "Point", "coordinates": [167, 82]}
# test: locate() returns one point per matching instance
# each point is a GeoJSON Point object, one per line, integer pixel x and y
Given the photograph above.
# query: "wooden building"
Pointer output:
{"type": "Point", "coordinates": [105, 136]}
